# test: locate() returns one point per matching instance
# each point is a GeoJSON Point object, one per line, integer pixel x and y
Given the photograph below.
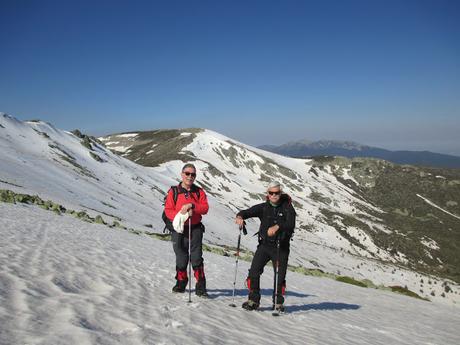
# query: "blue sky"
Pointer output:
{"type": "Point", "coordinates": [383, 73]}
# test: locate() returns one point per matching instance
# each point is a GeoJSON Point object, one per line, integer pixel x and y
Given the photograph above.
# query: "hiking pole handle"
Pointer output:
{"type": "Point", "coordinates": [243, 227]}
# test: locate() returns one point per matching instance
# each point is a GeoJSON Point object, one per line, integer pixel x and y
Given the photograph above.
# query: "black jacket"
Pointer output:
{"type": "Point", "coordinates": [283, 214]}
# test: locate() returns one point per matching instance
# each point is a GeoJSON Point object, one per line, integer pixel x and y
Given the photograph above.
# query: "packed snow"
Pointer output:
{"type": "Point", "coordinates": [64, 281]}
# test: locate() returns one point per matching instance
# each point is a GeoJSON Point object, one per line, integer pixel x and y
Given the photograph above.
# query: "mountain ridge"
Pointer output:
{"type": "Point", "coordinates": [350, 149]}
{"type": "Point", "coordinates": [345, 176]}
{"type": "Point", "coordinates": [340, 228]}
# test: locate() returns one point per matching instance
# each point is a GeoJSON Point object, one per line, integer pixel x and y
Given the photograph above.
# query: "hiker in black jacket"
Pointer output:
{"type": "Point", "coordinates": [277, 223]}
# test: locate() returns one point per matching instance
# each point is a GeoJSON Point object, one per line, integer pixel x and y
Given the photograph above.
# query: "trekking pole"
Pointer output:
{"type": "Point", "coordinates": [242, 228]}
{"type": "Point", "coordinates": [190, 259]}
{"type": "Point", "coordinates": [277, 272]}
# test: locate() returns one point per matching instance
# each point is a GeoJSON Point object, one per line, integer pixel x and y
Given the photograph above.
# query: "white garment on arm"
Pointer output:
{"type": "Point", "coordinates": [179, 222]}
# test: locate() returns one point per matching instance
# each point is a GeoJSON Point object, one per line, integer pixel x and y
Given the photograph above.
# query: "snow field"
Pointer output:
{"type": "Point", "coordinates": [64, 281]}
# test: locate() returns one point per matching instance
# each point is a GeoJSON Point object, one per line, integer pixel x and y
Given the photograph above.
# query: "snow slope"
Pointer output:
{"type": "Point", "coordinates": [36, 158]}
{"type": "Point", "coordinates": [232, 171]}
{"type": "Point", "coordinates": [64, 281]}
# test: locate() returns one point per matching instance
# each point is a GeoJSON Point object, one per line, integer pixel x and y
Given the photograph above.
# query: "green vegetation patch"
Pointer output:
{"type": "Point", "coordinates": [331, 218]}
{"type": "Point", "coordinates": [168, 146]}
{"type": "Point", "coordinates": [232, 154]}
{"type": "Point", "coordinates": [162, 237]}
{"type": "Point", "coordinates": [9, 196]}
{"type": "Point", "coordinates": [407, 292]}
{"type": "Point", "coordinates": [315, 272]}
{"type": "Point", "coordinates": [318, 197]}
{"type": "Point", "coordinates": [322, 159]}
{"type": "Point", "coordinates": [349, 280]}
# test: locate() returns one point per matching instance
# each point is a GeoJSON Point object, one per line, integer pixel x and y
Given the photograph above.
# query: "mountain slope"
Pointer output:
{"type": "Point", "coordinates": [64, 281]}
{"type": "Point", "coordinates": [421, 204]}
{"type": "Point", "coordinates": [337, 225]}
{"type": "Point", "coordinates": [342, 204]}
{"type": "Point", "coordinates": [304, 148]}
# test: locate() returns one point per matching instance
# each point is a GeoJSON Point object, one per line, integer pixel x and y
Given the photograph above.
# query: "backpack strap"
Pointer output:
{"type": "Point", "coordinates": [197, 192]}
{"type": "Point", "coordinates": [175, 190]}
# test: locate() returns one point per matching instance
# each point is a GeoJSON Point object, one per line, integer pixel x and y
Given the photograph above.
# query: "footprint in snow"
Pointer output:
{"type": "Point", "coordinates": [173, 324]}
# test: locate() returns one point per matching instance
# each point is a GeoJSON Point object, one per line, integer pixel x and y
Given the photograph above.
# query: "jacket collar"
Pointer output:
{"type": "Point", "coordinates": [181, 189]}
{"type": "Point", "coordinates": [284, 198]}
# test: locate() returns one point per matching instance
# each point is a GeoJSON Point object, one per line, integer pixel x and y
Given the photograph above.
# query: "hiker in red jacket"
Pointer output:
{"type": "Point", "coordinates": [190, 199]}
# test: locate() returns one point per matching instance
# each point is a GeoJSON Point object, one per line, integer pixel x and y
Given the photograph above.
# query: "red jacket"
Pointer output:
{"type": "Point", "coordinates": [184, 197]}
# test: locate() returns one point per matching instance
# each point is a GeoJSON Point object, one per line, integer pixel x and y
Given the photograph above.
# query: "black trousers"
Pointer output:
{"type": "Point", "coordinates": [263, 254]}
{"type": "Point", "coordinates": [180, 246]}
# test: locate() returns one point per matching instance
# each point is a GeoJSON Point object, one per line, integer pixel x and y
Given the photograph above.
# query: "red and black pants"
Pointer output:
{"type": "Point", "coordinates": [263, 254]}
{"type": "Point", "coordinates": [180, 245]}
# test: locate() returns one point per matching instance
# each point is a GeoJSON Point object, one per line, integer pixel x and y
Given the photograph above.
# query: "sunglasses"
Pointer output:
{"type": "Point", "coordinates": [275, 193]}
{"type": "Point", "coordinates": [188, 173]}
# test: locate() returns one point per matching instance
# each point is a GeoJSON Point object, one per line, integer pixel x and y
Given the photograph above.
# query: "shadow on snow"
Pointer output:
{"type": "Point", "coordinates": [327, 306]}
{"type": "Point", "coordinates": [215, 293]}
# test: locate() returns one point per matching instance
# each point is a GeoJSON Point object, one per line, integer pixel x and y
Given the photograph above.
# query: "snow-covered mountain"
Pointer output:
{"type": "Point", "coordinates": [363, 207]}
{"type": "Point", "coordinates": [338, 231]}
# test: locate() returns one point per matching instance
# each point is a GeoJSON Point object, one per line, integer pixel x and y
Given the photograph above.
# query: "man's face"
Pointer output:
{"type": "Point", "coordinates": [274, 194]}
{"type": "Point", "coordinates": [188, 176]}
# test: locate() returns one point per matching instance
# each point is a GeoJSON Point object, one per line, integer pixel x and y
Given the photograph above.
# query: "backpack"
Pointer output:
{"type": "Point", "coordinates": [175, 189]}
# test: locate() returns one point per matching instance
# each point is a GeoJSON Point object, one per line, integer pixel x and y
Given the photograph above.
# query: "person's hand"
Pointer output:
{"type": "Point", "coordinates": [239, 221]}
{"type": "Point", "coordinates": [185, 208]}
{"type": "Point", "coordinates": [272, 230]}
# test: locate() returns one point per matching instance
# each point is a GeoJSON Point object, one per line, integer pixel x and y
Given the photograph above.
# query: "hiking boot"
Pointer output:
{"type": "Point", "coordinates": [201, 293]}
{"type": "Point", "coordinates": [180, 286]}
{"type": "Point", "coordinates": [278, 307]}
{"type": "Point", "coordinates": [253, 285]}
{"type": "Point", "coordinates": [200, 288]}
{"type": "Point", "coordinates": [250, 305]}
{"type": "Point", "coordinates": [181, 281]}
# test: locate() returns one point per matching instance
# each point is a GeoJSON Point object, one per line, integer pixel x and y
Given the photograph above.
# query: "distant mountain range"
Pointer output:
{"type": "Point", "coordinates": [349, 149]}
